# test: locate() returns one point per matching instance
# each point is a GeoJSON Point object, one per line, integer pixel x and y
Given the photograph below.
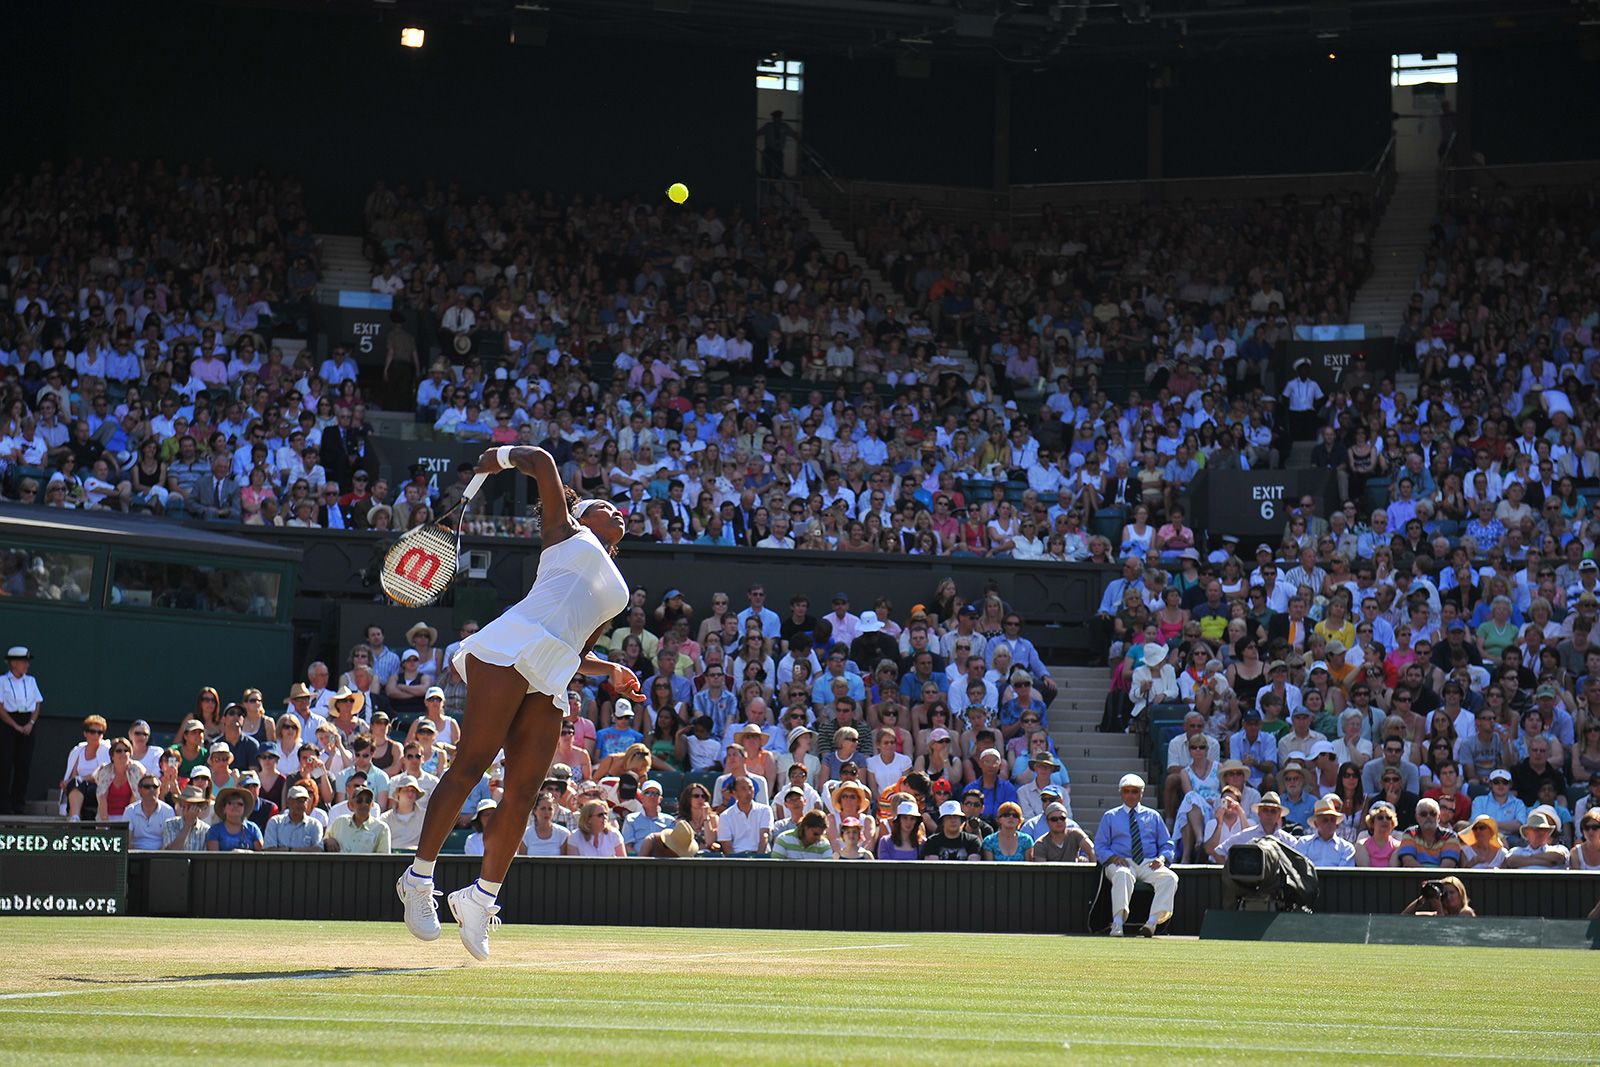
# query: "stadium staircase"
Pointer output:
{"type": "Point", "coordinates": [832, 241]}
{"type": "Point", "coordinates": [1398, 249]}
{"type": "Point", "coordinates": [344, 266]}
{"type": "Point", "coordinates": [1094, 761]}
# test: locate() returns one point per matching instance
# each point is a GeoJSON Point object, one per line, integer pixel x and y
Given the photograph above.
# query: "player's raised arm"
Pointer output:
{"type": "Point", "coordinates": [555, 522]}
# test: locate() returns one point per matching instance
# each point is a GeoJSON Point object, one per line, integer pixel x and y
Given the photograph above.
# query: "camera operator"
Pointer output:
{"type": "Point", "coordinates": [1443, 896]}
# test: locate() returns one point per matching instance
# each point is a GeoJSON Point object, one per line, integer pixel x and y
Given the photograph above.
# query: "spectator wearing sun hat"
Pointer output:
{"type": "Point", "coordinates": [1324, 847]}
{"type": "Point", "coordinates": [1269, 813]}
{"type": "Point", "coordinates": [1540, 850]}
{"type": "Point", "coordinates": [952, 841]}
{"type": "Point", "coordinates": [1481, 845]}
{"type": "Point", "coordinates": [186, 831]}
{"type": "Point", "coordinates": [233, 831]}
{"type": "Point", "coordinates": [1031, 795]}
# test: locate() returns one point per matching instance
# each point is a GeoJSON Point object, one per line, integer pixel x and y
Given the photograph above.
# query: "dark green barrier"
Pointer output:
{"type": "Point", "coordinates": [766, 894]}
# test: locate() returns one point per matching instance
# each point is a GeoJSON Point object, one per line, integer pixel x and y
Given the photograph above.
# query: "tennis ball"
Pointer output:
{"type": "Point", "coordinates": [677, 192]}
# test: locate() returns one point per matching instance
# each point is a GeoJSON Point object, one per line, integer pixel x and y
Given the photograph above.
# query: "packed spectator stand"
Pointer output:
{"type": "Point", "coordinates": [1047, 394]}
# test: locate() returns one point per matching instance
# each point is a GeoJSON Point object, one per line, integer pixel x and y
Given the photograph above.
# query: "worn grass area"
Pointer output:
{"type": "Point", "coordinates": [180, 991]}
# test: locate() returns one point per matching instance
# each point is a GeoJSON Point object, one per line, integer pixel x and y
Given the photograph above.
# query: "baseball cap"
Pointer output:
{"type": "Point", "coordinates": [434, 693]}
{"type": "Point", "coordinates": [298, 792]}
{"type": "Point", "coordinates": [949, 808]}
{"type": "Point", "coordinates": [650, 786]}
{"type": "Point", "coordinates": [1499, 774]}
{"type": "Point", "coordinates": [909, 807]}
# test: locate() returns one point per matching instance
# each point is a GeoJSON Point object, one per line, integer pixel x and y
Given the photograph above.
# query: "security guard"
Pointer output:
{"type": "Point", "coordinates": [20, 706]}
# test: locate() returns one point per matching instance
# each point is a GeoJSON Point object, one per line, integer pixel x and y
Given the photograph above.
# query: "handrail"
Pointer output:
{"type": "Point", "coordinates": [1383, 175]}
{"type": "Point", "coordinates": [1386, 156]}
{"type": "Point", "coordinates": [1446, 153]}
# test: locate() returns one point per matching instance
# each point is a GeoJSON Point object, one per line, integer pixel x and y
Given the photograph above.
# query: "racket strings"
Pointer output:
{"type": "Point", "coordinates": [420, 566]}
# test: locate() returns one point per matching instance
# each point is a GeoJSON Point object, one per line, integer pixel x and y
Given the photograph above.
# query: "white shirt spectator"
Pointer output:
{"type": "Point", "coordinates": [545, 846]}
{"type": "Point", "coordinates": [742, 831]}
{"type": "Point", "coordinates": [144, 831]}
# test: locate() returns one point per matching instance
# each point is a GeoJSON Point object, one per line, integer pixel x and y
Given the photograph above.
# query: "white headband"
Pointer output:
{"type": "Point", "coordinates": [583, 505]}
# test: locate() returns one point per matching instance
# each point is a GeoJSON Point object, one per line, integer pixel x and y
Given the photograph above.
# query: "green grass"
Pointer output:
{"type": "Point", "coordinates": [182, 991]}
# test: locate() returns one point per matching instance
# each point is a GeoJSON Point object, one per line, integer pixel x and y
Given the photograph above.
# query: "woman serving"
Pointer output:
{"type": "Point", "coordinates": [517, 670]}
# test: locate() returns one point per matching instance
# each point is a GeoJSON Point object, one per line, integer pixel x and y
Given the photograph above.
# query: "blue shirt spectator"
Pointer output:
{"type": "Point", "coordinates": [1263, 748]}
{"type": "Point", "coordinates": [1115, 834]}
{"type": "Point", "coordinates": [614, 740]}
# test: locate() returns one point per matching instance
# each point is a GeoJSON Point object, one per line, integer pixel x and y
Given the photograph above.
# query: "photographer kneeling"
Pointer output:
{"type": "Point", "coordinates": [1443, 896]}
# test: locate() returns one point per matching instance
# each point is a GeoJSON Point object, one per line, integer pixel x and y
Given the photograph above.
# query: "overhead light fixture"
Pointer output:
{"type": "Point", "coordinates": [412, 37]}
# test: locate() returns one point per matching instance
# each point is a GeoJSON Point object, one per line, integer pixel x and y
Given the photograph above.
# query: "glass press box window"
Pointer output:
{"type": "Point", "coordinates": [174, 586]}
{"type": "Point", "coordinates": [46, 574]}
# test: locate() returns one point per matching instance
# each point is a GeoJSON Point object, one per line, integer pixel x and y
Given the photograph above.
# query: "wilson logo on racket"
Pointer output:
{"type": "Point", "coordinates": [418, 566]}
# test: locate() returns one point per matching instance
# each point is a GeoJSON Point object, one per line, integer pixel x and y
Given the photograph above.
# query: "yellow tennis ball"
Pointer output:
{"type": "Point", "coordinates": [677, 192]}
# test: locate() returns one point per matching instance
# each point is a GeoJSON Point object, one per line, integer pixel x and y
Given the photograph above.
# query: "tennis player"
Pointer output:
{"type": "Point", "coordinates": [517, 670]}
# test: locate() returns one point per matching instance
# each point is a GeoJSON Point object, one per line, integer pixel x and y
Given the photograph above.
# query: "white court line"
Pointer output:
{"type": "Point", "coordinates": [1056, 1001]}
{"type": "Point", "coordinates": [699, 1030]}
{"type": "Point", "coordinates": [547, 964]}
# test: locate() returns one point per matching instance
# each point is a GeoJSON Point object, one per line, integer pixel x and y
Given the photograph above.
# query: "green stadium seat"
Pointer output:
{"type": "Point", "coordinates": [456, 843]}
{"type": "Point", "coordinates": [1108, 523]}
{"type": "Point", "coordinates": [672, 784]}
{"type": "Point", "coordinates": [1162, 731]}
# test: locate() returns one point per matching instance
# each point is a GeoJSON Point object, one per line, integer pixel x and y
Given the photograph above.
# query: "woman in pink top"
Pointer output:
{"type": "Point", "coordinates": [1378, 848]}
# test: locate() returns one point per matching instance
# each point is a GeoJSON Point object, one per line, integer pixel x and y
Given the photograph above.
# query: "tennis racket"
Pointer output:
{"type": "Point", "coordinates": [420, 566]}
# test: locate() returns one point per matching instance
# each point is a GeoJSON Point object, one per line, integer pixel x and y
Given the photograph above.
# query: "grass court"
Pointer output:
{"type": "Point", "coordinates": [173, 991]}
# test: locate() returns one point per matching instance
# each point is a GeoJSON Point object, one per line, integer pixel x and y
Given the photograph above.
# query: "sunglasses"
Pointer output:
{"type": "Point", "coordinates": [91, 730]}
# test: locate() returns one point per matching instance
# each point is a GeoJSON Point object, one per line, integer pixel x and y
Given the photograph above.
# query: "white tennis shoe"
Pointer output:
{"type": "Point", "coordinates": [477, 917]}
{"type": "Point", "coordinates": [422, 913]}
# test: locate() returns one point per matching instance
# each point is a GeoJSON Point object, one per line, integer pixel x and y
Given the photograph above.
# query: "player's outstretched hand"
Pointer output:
{"type": "Point", "coordinates": [488, 463]}
{"type": "Point", "coordinates": [626, 683]}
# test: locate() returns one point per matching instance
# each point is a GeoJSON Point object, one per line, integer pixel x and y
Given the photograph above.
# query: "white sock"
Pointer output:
{"type": "Point", "coordinates": [489, 889]}
{"type": "Point", "coordinates": [423, 869]}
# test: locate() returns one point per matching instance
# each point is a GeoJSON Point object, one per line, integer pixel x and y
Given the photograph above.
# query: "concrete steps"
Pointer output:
{"type": "Point", "coordinates": [344, 265]}
{"type": "Point", "coordinates": [1095, 761]}
{"type": "Point", "coordinates": [833, 241]}
{"type": "Point", "coordinates": [1398, 248]}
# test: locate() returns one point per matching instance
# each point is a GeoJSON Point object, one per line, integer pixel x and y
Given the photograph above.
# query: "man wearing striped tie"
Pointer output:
{"type": "Point", "coordinates": [1136, 847]}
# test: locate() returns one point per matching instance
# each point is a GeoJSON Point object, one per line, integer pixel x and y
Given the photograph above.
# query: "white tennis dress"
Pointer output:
{"type": "Point", "coordinates": [577, 588]}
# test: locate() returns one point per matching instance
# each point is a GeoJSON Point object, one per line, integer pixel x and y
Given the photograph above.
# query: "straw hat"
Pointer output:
{"type": "Point", "coordinates": [346, 693]}
{"type": "Point", "coordinates": [680, 839]}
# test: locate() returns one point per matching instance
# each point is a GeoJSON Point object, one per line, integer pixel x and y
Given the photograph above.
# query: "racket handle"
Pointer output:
{"type": "Point", "coordinates": [473, 486]}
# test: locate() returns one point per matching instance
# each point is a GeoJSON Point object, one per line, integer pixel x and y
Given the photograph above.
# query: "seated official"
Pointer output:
{"type": "Point", "coordinates": [1134, 844]}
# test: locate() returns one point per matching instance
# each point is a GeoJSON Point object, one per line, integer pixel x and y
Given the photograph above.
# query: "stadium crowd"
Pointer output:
{"type": "Point", "coordinates": [1403, 678]}
{"type": "Point", "coordinates": [715, 376]}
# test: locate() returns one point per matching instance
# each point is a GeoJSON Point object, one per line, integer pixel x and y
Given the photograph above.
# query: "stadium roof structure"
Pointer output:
{"type": "Point", "coordinates": [1031, 32]}
{"type": "Point", "coordinates": [38, 525]}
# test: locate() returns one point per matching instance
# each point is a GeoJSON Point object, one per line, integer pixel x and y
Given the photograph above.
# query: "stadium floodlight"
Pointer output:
{"type": "Point", "coordinates": [412, 37]}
